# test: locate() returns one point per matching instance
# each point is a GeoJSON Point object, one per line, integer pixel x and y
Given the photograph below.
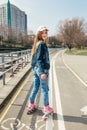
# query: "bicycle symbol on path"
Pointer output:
{"type": "Point", "coordinates": [13, 123]}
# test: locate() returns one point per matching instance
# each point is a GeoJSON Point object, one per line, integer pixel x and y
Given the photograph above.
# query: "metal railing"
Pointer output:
{"type": "Point", "coordinates": [11, 61]}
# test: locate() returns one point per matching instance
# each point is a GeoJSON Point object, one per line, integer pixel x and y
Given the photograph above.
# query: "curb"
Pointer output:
{"type": "Point", "coordinates": [9, 89]}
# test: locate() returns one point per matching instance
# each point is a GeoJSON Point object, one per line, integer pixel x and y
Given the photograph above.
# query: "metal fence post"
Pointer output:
{"type": "Point", "coordinates": [26, 57]}
{"type": "Point", "coordinates": [18, 57]}
{"type": "Point", "coordinates": [12, 63]}
{"type": "Point", "coordinates": [3, 68]}
{"type": "Point", "coordinates": [22, 58]}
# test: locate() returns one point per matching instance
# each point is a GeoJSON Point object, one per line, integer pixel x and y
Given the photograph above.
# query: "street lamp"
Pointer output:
{"type": "Point", "coordinates": [70, 34]}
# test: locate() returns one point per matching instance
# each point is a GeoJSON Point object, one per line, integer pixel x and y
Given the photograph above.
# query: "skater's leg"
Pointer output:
{"type": "Point", "coordinates": [36, 86]}
{"type": "Point", "coordinates": [45, 92]}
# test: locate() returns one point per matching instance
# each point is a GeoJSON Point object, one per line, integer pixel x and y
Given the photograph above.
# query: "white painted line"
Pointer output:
{"type": "Point", "coordinates": [36, 124]}
{"type": "Point", "coordinates": [50, 85]}
{"type": "Point", "coordinates": [49, 121]}
{"type": "Point", "coordinates": [84, 110]}
{"type": "Point", "coordinates": [41, 127]}
{"type": "Point", "coordinates": [85, 84]}
{"type": "Point", "coordinates": [60, 121]}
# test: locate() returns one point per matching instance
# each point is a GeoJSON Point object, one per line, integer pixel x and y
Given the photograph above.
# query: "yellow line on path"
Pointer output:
{"type": "Point", "coordinates": [4, 112]}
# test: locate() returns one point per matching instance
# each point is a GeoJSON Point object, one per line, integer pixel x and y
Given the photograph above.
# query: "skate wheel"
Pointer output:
{"type": "Point", "coordinates": [44, 119]}
{"type": "Point", "coordinates": [51, 114]}
{"type": "Point", "coordinates": [31, 111]}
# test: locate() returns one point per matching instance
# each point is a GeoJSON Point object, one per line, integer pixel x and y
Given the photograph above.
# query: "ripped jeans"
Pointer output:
{"type": "Point", "coordinates": [44, 86]}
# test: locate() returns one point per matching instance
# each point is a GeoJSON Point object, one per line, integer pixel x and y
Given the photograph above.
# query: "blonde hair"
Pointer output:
{"type": "Point", "coordinates": [37, 39]}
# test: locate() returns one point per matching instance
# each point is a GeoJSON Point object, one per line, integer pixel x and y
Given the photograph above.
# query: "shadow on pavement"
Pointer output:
{"type": "Point", "coordinates": [75, 119]}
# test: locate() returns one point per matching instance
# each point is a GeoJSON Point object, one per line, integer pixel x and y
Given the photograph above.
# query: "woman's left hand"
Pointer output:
{"type": "Point", "coordinates": [43, 76]}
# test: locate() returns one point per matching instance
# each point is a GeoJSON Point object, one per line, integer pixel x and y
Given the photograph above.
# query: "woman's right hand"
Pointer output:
{"type": "Point", "coordinates": [43, 76]}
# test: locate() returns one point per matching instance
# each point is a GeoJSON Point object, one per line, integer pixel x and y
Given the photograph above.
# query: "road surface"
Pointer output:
{"type": "Point", "coordinates": [67, 96]}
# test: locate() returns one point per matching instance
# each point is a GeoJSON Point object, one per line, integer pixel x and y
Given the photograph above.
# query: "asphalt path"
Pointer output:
{"type": "Point", "coordinates": [67, 96]}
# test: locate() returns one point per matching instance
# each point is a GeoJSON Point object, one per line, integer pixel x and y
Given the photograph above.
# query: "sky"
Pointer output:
{"type": "Point", "coordinates": [50, 12]}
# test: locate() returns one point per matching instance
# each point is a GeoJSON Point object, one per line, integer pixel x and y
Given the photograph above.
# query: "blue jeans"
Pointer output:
{"type": "Point", "coordinates": [44, 85]}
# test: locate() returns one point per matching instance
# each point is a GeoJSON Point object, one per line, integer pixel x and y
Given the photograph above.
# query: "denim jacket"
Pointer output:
{"type": "Point", "coordinates": [43, 62]}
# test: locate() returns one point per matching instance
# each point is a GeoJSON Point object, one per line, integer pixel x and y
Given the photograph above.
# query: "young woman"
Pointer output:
{"type": "Point", "coordinates": [41, 69]}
